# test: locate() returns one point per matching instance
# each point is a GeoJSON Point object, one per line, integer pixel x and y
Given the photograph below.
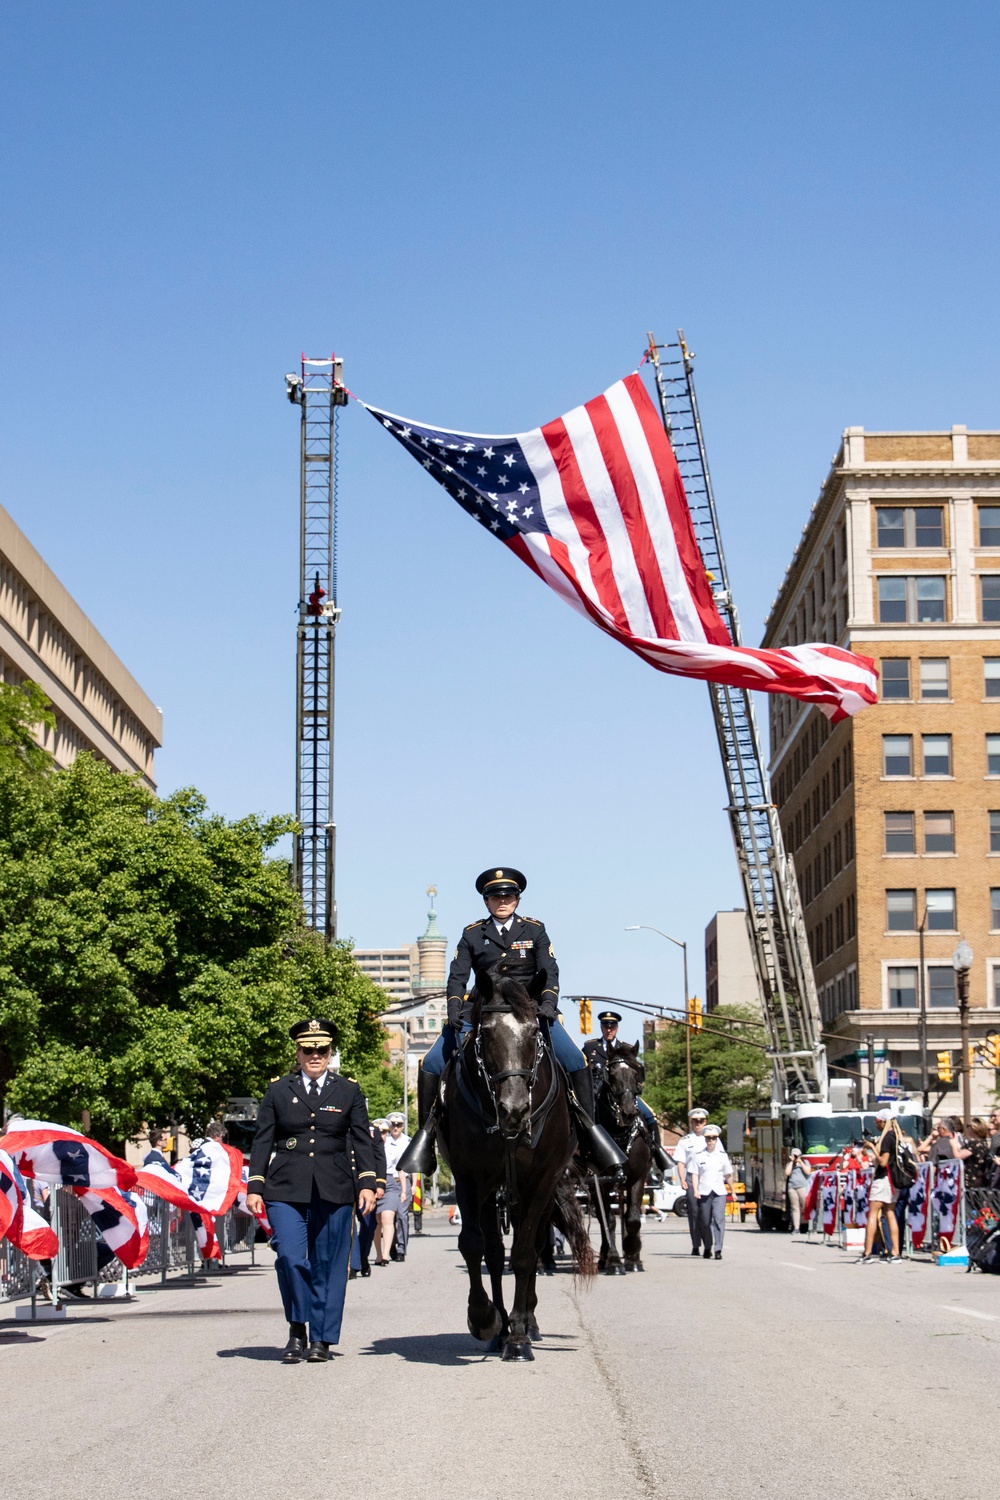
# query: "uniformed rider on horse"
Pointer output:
{"type": "Point", "coordinates": [598, 1051]}
{"type": "Point", "coordinates": [525, 946]}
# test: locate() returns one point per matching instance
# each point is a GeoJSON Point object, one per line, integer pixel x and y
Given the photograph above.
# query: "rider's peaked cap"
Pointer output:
{"type": "Point", "coordinates": [494, 882]}
{"type": "Point", "coordinates": [610, 1015]}
{"type": "Point", "coordinates": [321, 1032]}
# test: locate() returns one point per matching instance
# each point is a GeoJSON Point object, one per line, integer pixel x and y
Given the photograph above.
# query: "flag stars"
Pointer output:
{"type": "Point", "coordinates": [529, 511]}
{"type": "Point", "coordinates": [523, 488]}
{"type": "Point", "coordinates": [487, 452]}
{"type": "Point", "coordinates": [404, 432]}
{"type": "Point", "coordinates": [504, 479]}
{"type": "Point", "coordinates": [426, 463]}
{"type": "Point", "coordinates": [494, 525]}
{"type": "Point", "coordinates": [461, 460]}
{"type": "Point", "coordinates": [509, 459]}
{"type": "Point", "coordinates": [481, 473]}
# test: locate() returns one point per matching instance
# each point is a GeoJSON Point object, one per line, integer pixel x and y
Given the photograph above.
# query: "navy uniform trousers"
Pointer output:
{"type": "Point", "coordinates": [312, 1243]}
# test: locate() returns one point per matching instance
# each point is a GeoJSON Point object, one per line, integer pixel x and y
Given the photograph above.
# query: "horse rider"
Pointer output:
{"type": "Point", "coordinates": [598, 1051]}
{"type": "Point", "coordinates": [525, 945]}
{"type": "Point", "coordinates": [687, 1151]}
{"type": "Point", "coordinates": [312, 1160]}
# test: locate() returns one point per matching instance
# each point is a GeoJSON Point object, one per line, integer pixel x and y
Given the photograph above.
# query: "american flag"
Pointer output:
{"type": "Point", "coordinates": [594, 504]}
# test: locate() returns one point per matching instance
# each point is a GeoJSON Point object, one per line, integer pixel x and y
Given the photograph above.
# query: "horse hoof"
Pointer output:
{"type": "Point", "coordinates": [629, 1265]}
{"type": "Point", "coordinates": [489, 1330]}
{"type": "Point", "coordinates": [494, 1346]}
{"type": "Point", "coordinates": [512, 1350]}
{"type": "Point", "coordinates": [534, 1332]}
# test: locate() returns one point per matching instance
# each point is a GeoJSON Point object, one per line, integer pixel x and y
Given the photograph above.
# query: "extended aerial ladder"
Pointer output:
{"type": "Point", "coordinates": [318, 390]}
{"type": "Point", "coordinates": [774, 911]}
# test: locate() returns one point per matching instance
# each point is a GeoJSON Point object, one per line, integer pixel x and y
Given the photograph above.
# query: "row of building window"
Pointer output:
{"type": "Point", "coordinates": [840, 775]}
{"type": "Point", "coordinates": [834, 931]}
{"type": "Point", "coordinates": [938, 831]}
{"type": "Point", "coordinates": [935, 755]}
{"type": "Point", "coordinates": [839, 995]}
{"type": "Point", "coordinates": [939, 910]}
{"type": "Point", "coordinates": [912, 526]}
{"type": "Point", "coordinates": [902, 992]}
{"type": "Point", "coordinates": [817, 873]}
{"type": "Point", "coordinates": [921, 599]}
{"type": "Point", "coordinates": [933, 677]}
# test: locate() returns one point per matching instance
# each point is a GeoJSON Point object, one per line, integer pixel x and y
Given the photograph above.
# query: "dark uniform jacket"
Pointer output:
{"type": "Point", "coordinates": [322, 1140]}
{"type": "Point", "coordinates": [597, 1051]}
{"type": "Point", "coordinates": [527, 947]}
{"type": "Point", "coordinates": [379, 1147]}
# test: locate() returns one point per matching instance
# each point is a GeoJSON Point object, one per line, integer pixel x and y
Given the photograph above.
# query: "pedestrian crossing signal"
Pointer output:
{"type": "Point", "coordinates": [944, 1067]}
{"type": "Point", "coordinates": [584, 1017]}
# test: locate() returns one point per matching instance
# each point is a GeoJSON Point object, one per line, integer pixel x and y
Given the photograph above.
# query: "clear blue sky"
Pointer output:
{"type": "Point", "coordinates": [483, 208]}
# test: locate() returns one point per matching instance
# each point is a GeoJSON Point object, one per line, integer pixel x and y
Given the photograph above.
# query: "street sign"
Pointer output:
{"type": "Point", "coordinates": [889, 1096]}
{"type": "Point", "coordinates": [892, 1078]}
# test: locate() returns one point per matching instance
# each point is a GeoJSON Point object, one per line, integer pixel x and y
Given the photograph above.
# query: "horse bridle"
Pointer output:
{"type": "Point", "coordinates": [493, 1080]}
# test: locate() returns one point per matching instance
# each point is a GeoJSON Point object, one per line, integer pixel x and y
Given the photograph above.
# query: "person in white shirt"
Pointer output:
{"type": "Point", "coordinates": [394, 1147]}
{"type": "Point", "coordinates": [711, 1173]}
{"type": "Point", "coordinates": [687, 1149]}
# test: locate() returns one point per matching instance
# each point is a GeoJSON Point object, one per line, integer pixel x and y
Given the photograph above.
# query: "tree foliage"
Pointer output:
{"type": "Point", "coordinates": [151, 957]}
{"type": "Point", "coordinates": [24, 710]}
{"type": "Point", "coordinates": [726, 1073]}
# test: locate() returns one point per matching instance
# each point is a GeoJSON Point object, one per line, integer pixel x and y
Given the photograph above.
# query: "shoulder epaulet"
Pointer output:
{"type": "Point", "coordinates": [533, 920]}
{"type": "Point", "coordinates": [475, 924]}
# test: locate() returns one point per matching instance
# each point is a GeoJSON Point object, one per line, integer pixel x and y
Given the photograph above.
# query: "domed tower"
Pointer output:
{"type": "Point", "coordinates": [432, 948]}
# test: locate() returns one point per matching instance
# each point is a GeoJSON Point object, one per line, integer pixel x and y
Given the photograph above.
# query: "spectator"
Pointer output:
{"type": "Point", "coordinates": [797, 1175]}
{"type": "Point", "coordinates": [395, 1146]}
{"type": "Point", "coordinates": [995, 1145]}
{"type": "Point", "coordinates": [882, 1193]}
{"type": "Point", "coordinates": [976, 1155]}
{"type": "Point", "coordinates": [711, 1173]}
{"type": "Point", "coordinates": [940, 1144]}
{"type": "Point", "coordinates": [159, 1145]}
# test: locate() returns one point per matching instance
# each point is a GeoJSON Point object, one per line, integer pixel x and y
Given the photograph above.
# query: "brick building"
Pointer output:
{"type": "Point", "coordinates": [893, 817]}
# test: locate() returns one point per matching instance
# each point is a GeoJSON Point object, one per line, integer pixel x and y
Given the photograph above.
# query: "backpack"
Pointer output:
{"type": "Point", "coordinates": [903, 1165]}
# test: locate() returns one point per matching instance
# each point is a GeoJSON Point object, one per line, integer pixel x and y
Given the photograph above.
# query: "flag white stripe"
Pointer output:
{"type": "Point", "coordinates": [597, 482]}
{"type": "Point", "coordinates": [556, 512]}
{"type": "Point", "coordinates": [537, 544]}
{"type": "Point", "coordinates": [654, 508]}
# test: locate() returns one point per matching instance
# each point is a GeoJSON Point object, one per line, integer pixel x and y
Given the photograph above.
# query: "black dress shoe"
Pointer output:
{"type": "Point", "coordinates": [295, 1350]}
{"type": "Point", "coordinates": [353, 1275]}
{"type": "Point", "coordinates": [696, 1251]}
{"type": "Point", "coordinates": [319, 1353]}
{"type": "Point", "coordinates": [718, 1254]}
{"type": "Point", "coordinates": [707, 1254]}
{"type": "Point", "coordinates": [366, 1269]}
{"type": "Point", "coordinates": [400, 1258]}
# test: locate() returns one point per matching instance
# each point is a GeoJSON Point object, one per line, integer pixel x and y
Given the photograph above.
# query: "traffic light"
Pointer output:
{"type": "Point", "coordinates": [991, 1050]}
{"type": "Point", "coordinates": [944, 1067]}
{"type": "Point", "coordinates": [973, 1053]}
{"type": "Point", "coordinates": [694, 1015]}
{"type": "Point", "coordinates": [584, 1017]}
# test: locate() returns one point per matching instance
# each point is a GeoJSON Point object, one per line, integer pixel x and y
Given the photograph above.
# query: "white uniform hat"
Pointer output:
{"type": "Point", "coordinates": [396, 1118]}
{"type": "Point", "coordinates": [712, 1130]}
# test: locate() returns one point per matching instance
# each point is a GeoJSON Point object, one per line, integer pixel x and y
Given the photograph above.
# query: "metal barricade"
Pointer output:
{"type": "Point", "coordinates": [982, 1221]}
{"type": "Point", "coordinates": [15, 1272]}
{"type": "Point", "coordinates": [76, 1259]}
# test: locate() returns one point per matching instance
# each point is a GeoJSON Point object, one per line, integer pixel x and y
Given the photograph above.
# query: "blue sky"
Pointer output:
{"type": "Point", "coordinates": [483, 209]}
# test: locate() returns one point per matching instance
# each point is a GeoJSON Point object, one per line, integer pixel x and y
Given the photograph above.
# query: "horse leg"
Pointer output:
{"type": "Point", "coordinates": [613, 1261]}
{"type": "Point", "coordinates": [632, 1225]}
{"type": "Point", "coordinates": [484, 1321]}
{"type": "Point", "coordinates": [538, 1195]}
{"type": "Point", "coordinates": [494, 1255]}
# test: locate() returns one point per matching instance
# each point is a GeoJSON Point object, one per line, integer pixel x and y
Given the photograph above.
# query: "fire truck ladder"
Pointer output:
{"type": "Point", "coordinates": [318, 391]}
{"type": "Point", "coordinates": [774, 912]}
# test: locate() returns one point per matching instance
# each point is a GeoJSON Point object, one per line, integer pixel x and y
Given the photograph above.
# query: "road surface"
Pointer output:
{"type": "Point", "coordinates": [785, 1367]}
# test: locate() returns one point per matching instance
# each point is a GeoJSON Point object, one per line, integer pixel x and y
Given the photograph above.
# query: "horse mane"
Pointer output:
{"type": "Point", "coordinates": [502, 988]}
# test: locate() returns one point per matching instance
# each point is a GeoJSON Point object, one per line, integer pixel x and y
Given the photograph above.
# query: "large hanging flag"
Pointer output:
{"type": "Point", "coordinates": [64, 1157]}
{"type": "Point", "coordinates": [594, 504]}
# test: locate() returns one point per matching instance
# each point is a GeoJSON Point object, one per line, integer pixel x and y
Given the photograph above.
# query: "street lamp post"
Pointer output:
{"type": "Point", "coordinates": [961, 961]}
{"type": "Point", "coordinates": [644, 927]}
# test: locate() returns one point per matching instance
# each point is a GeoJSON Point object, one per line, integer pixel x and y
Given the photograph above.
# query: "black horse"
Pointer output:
{"type": "Point", "coordinates": [507, 1134]}
{"type": "Point", "coordinates": [618, 1112]}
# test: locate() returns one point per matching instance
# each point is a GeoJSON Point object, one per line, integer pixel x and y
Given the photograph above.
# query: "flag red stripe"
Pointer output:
{"type": "Point", "coordinates": [623, 479]}
{"type": "Point", "coordinates": [584, 518]}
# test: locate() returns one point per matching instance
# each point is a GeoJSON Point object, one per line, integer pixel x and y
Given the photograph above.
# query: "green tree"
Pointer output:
{"type": "Point", "coordinates": [151, 957]}
{"type": "Point", "coordinates": [24, 710]}
{"type": "Point", "coordinates": [726, 1072]}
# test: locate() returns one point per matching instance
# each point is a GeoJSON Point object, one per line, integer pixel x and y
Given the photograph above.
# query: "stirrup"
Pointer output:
{"type": "Point", "coordinates": [419, 1156]}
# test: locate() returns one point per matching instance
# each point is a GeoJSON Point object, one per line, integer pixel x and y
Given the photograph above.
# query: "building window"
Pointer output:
{"type": "Point", "coordinates": [901, 911]}
{"type": "Point", "coordinates": [989, 526]}
{"type": "Point", "coordinates": [939, 833]}
{"type": "Point", "coordinates": [995, 832]}
{"type": "Point", "coordinates": [941, 986]}
{"type": "Point", "coordinates": [895, 677]}
{"type": "Point", "coordinates": [991, 676]}
{"type": "Point", "coordinates": [993, 755]}
{"type": "Point", "coordinates": [934, 681]}
{"type": "Point", "coordinates": [897, 754]}
{"type": "Point", "coordinates": [848, 841]}
{"type": "Point", "coordinates": [910, 600]}
{"type": "Point", "coordinates": [995, 909]}
{"type": "Point", "coordinates": [900, 833]}
{"type": "Point", "coordinates": [852, 918]}
{"type": "Point", "coordinates": [910, 526]}
{"type": "Point", "coordinates": [839, 926]}
{"type": "Point", "coordinates": [937, 754]}
{"type": "Point", "coordinates": [836, 778]}
{"type": "Point", "coordinates": [941, 911]}
{"type": "Point", "coordinates": [989, 586]}
{"type": "Point", "coordinates": [902, 989]}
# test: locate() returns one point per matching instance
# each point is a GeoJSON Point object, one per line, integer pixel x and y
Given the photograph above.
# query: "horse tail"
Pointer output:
{"type": "Point", "coordinates": [569, 1216]}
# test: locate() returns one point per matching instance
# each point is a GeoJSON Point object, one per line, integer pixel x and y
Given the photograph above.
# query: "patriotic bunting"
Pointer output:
{"type": "Point", "coordinates": [64, 1157]}
{"type": "Point", "coordinates": [121, 1220]}
{"type": "Point", "coordinates": [594, 504]}
{"type": "Point", "coordinates": [19, 1221]}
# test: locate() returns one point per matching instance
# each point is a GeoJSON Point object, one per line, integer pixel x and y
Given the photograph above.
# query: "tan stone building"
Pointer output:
{"type": "Point", "coordinates": [45, 636]}
{"type": "Point", "coordinates": [730, 977]}
{"type": "Point", "coordinates": [893, 817]}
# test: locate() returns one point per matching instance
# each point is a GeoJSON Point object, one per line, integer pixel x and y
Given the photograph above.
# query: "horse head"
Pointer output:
{"type": "Point", "coordinates": [625, 1073]}
{"type": "Point", "coordinates": [505, 1036]}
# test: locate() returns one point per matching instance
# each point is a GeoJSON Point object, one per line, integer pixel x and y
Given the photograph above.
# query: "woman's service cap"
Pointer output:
{"type": "Point", "coordinates": [396, 1118]}
{"type": "Point", "coordinates": [320, 1032]}
{"type": "Point", "coordinates": [495, 882]}
{"type": "Point", "coordinates": [712, 1130]}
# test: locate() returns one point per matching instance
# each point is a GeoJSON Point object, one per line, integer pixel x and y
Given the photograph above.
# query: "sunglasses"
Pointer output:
{"type": "Point", "coordinates": [315, 1051]}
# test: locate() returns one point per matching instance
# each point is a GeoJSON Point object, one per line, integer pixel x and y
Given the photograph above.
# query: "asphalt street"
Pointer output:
{"type": "Point", "coordinates": [784, 1368]}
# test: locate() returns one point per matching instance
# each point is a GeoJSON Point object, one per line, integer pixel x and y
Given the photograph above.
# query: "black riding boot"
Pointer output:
{"type": "Point", "coordinates": [660, 1156]}
{"type": "Point", "coordinates": [596, 1146]}
{"type": "Point", "coordinates": [419, 1155]}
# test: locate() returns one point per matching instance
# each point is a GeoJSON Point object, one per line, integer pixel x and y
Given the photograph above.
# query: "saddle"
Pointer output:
{"type": "Point", "coordinates": [476, 1093]}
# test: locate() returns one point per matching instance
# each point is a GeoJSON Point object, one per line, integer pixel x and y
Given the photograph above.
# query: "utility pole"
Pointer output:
{"type": "Point", "coordinates": [317, 390]}
{"type": "Point", "coordinates": [961, 961]}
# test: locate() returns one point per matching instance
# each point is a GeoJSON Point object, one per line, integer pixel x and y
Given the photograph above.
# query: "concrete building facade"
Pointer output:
{"type": "Point", "coordinates": [893, 817]}
{"type": "Point", "coordinates": [730, 977]}
{"type": "Point", "coordinates": [46, 637]}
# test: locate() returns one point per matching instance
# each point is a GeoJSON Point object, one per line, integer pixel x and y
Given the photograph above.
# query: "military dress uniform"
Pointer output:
{"type": "Point", "coordinates": [366, 1222]}
{"type": "Point", "coordinates": [597, 1051]}
{"type": "Point", "coordinates": [311, 1156]}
